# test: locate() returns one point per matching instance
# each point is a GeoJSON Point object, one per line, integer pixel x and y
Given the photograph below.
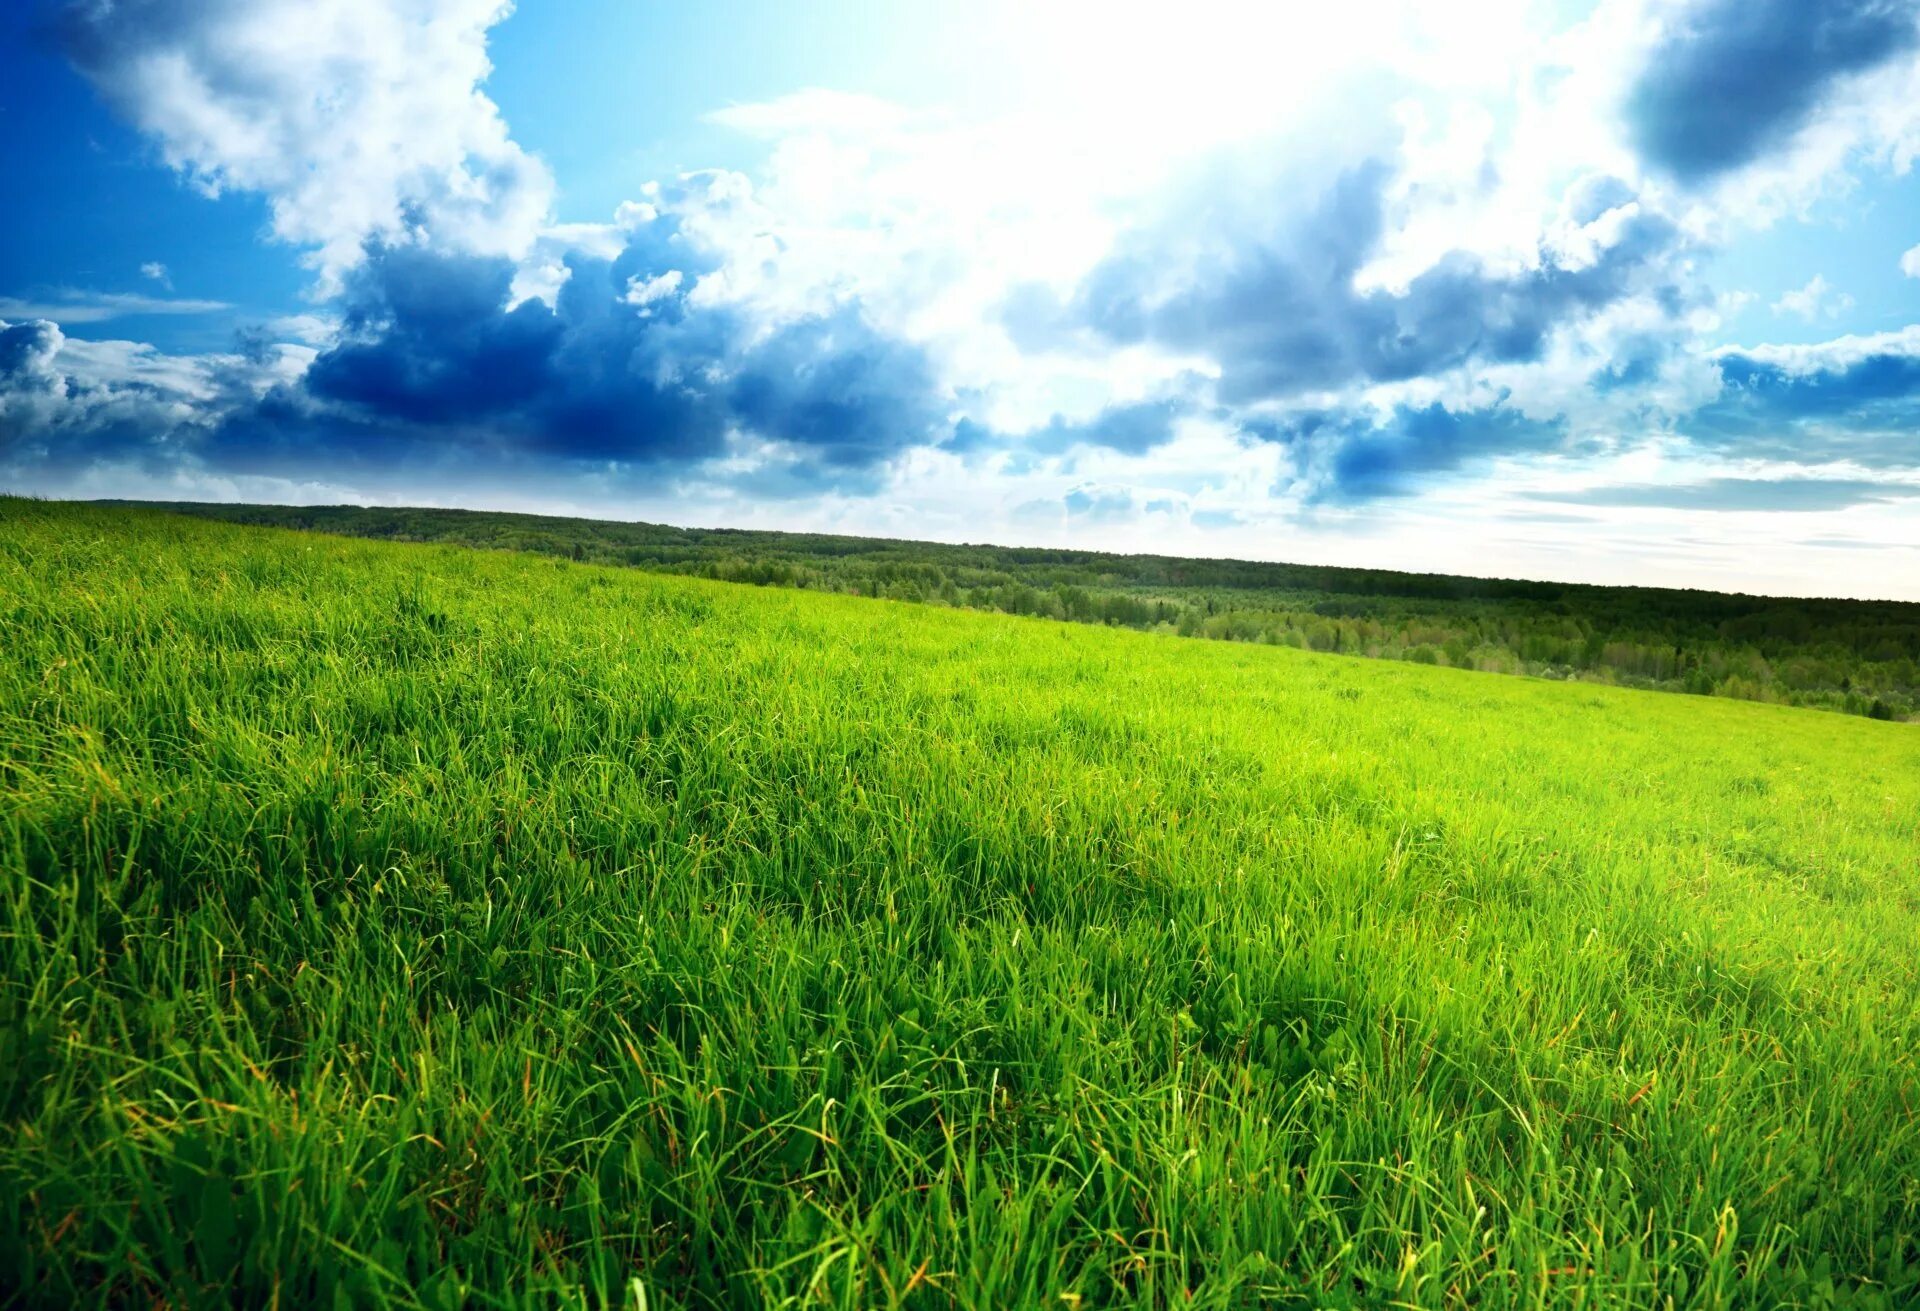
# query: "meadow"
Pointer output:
{"type": "Point", "coordinates": [1853, 656]}
{"type": "Point", "coordinates": [422, 926]}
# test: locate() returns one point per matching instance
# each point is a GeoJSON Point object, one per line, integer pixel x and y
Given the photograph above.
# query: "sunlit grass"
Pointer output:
{"type": "Point", "coordinates": [440, 927]}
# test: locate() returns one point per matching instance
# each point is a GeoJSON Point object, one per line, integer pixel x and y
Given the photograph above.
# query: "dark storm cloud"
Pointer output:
{"type": "Point", "coordinates": [850, 396]}
{"type": "Point", "coordinates": [601, 377]}
{"type": "Point", "coordinates": [429, 340]}
{"type": "Point", "coordinates": [1279, 311]}
{"type": "Point", "coordinates": [1736, 78]}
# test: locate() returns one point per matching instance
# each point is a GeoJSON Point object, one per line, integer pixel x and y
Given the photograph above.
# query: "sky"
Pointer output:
{"type": "Point", "coordinates": [1619, 291]}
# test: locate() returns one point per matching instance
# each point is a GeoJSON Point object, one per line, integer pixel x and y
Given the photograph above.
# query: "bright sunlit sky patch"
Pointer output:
{"type": "Point", "coordinates": [1618, 291]}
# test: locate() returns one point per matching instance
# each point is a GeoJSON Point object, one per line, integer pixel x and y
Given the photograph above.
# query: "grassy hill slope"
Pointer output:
{"type": "Point", "coordinates": [1859, 657]}
{"type": "Point", "coordinates": [437, 927]}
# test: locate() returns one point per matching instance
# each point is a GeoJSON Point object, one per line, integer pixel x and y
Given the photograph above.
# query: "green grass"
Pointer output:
{"type": "Point", "coordinates": [435, 927]}
{"type": "Point", "coordinates": [1860, 657]}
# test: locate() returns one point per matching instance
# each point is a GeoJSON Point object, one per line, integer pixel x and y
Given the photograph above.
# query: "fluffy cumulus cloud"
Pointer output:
{"type": "Point", "coordinates": [1276, 301]}
{"type": "Point", "coordinates": [1353, 293]}
{"type": "Point", "coordinates": [30, 385]}
{"type": "Point", "coordinates": [1280, 309]}
{"type": "Point", "coordinates": [358, 120]}
{"type": "Point", "coordinates": [1817, 300]}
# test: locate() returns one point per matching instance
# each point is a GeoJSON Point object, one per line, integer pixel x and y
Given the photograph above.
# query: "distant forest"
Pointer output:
{"type": "Point", "coordinates": [1860, 657]}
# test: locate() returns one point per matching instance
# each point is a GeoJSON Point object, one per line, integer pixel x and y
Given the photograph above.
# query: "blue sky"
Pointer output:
{"type": "Point", "coordinates": [1624, 291]}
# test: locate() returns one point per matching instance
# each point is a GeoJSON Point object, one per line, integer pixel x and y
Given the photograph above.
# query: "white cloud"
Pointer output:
{"type": "Point", "coordinates": [73, 306]}
{"type": "Point", "coordinates": [543, 271]}
{"type": "Point", "coordinates": [187, 481]}
{"type": "Point", "coordinates": [646, 291]}
{"type": "Point", "coordinates": [69, 405]}
{"type": "Point", "coordinates": [155, 271]}
{"type": "Point", "coordinates": [814, 110]}
{"type": "Point", "coordinates": [1910, 263]}
{"type": "Point", "coordinates": [100, 368]}
{"type": "Point", "coordinates": [365, 118]}
{"type": "Point", "coordinates": [357, 119]}
{"type": "Point", "coordinates": [51, 385]}
{"type": "Point", "coordinates": [1871, 121]}
{"type": "Point", "coordinates": [32, 390]}
{"type": "Point", "coordinates": [1817, 300]}
{"type": "Point", "coordinates": [1110, 119]}
{"type": "Point", "coordinates": [1836, 355]}
{"type": "Point", "coordinates": [310, 329]}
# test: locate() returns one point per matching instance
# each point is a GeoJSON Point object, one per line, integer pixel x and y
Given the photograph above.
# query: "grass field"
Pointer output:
{"type": "Point", "coordinates": [1860, 657]}
{"type": "Point", "coordinates": [436, 927]}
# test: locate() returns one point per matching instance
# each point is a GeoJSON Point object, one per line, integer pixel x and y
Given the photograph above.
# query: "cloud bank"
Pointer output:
{"type": "Point", "coordinates": [1354, 301]}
